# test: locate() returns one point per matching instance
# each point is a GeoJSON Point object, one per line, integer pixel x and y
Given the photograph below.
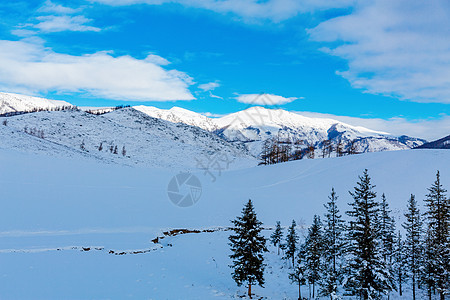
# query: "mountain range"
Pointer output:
{"type": "Point", "coordinates": [177, 137]}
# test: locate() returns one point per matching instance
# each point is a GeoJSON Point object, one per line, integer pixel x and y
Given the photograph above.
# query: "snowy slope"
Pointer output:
{"type": "Point", "coordinates": [51, 203]}
{"type": "Point", "coordinates": [179, 115]}
{"type": "Point", "coordinates": [15, 102]}
{"type": "Point", "coordinates": [147, 141]}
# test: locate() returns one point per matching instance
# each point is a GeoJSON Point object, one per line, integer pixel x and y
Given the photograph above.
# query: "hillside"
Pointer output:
{"type": "Point", "coordinates": [67, 205]}
{"type": "Point", "coordinates": [10, 103]}
{"type": "Point", "coordinates": [147, 141]}
{"type": "Point", "coordinates": [443, 143]}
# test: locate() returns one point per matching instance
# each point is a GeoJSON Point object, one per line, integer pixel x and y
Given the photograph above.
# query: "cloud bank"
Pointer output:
{"type": "Point", "coordinates": [395, 48]}
{"type": "Point", "coordinates": [29, 67]}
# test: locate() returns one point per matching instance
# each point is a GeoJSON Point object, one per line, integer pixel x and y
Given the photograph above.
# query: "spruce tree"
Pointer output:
{"type": "Point", "coordinates": [276, 237]}
{"type": "Point", "coordinates": [247, 245]}
{"type": "Point", "coordinates": [313, 248]}
{"type": "Point", "coordinates": [413, 249]}
{"type": "Point", "coordinates": [427, 270]}
{"type": "Point", "coordinates": [298, 275]}
{"type": "Point", "coordinates": [387, 231]}
{"type": "Point", "coordinates": [399, 263]}
{"type": "Point", "coordinates": [291, 244]}
{"type": "Point", "coordinates": [333, 247]}
{"type": "Point", "coordinates": [367, 274]}
{"type": "Point", "coordinates": [387, 235]}
{"type": "Point", "coordinates": [438, 221]}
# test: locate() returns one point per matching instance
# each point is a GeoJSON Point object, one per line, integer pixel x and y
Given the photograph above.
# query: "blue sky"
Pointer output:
{"type": "Point", "coordinates": [379, 64]}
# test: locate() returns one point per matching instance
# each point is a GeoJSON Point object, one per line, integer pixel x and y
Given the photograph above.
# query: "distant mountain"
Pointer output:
{"type": "Point", "coordinates": [175, 137]}
{"type": "Point", "coordinates": [443, 143]}
{"type": "Point", "coordinates": [10, 103]}
{"type": "Point", "coordinates": [256, 124]}
{"type": "Point", "coordinates": [179, 115]}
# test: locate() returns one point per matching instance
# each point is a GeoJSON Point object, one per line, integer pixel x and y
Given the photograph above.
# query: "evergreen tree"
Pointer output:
{"type": "Point", "coordinates": [291, 244]}
{"type": "Point", "coordinates": [298, 275]}
{"type": "Point", "coordinates": [438, 221]}
{"type": "Point", "coordinates": [124, 151]}
{"type": "Point", "coordinates": [313, 249]}
{"type": "Point", "coordinates": [387, 235]}
{"type": "Point", "coordinates": [247, 246]}
{"type": "Point", "coordinates": [400, 263]}
{"type": "Point", "coordinates": [427, 271]}
{"type": "Point", "coordinates": [413, 249]}
{"type": "Point", "coordinates": [333, 246]}
{"type": "Point", "coordinates": [387, 231]}
{"type": "Point", "coordinates": [367, 273]}
{"type": "Point", "coordinates": [276, 237]}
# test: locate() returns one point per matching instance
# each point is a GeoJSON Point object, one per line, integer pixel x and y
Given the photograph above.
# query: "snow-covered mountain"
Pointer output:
{"type": "Point", "coordinates": [15, 103]}
{"type": "Point", "coordinates": [443, 143]}
{"type": "Point", "coordinates": [257, 124]}
{"type": "Point", "coordinates": [179, 115]}
{"type": "Point", "coordinates": [147, 141]}
{"type": "Point", "coordinates": [178, 129]}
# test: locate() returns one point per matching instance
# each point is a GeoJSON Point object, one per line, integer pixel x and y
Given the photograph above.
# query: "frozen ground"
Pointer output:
{"type": "Point", "coordinates": [51, 203]}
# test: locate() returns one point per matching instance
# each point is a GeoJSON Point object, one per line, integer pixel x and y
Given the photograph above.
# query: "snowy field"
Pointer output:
{"type": "Point", "coordinates": [74, 228]}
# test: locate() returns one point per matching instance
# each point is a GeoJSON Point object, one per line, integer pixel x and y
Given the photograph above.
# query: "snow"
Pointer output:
{"type": "Point", "coordinates": [148, 141]}
{"type": "Point", "coordinates": [256, 124]}
{"type": "Point", "coordinates": [14, 102]}
{"type": "Point", "coordinates": [69, 203]}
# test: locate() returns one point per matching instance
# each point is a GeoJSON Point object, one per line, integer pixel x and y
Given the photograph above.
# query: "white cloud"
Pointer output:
{"type": "Point", "coordinates": [264, 99]}
{"type": "Point", "coordinates": [64, 23]}
{"type": "Point", "coordinates": [275, 10]}
{"type": "Point", "coordinates": [28, 66]}
{"type": "Point", "coordinates": [425, 129]}
{"type": "Point", "coordinates": [209, 86]}
{"type": "Point", "coordinates": [50, 7]}
{"type": "Point", "coordinates": [397, 48]}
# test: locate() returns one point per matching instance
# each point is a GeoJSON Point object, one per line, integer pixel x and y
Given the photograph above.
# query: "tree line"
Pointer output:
{"type": "Point", "coordinates": [365, 256]}
{"type": "Point", "coordinates": [277, 150]}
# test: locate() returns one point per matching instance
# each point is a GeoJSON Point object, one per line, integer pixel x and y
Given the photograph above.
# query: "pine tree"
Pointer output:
{"type": "Point", "coordinates": [247, 245]}
{"type": "Point", "coordinates": [276, 237]}
{"type": "Point", "coordinates": [115, 150]}
{"type": "Point", "coordinates": [387, 234]}
{"type": "Point", "coordinates": [333, 246]}
{"type": "Point", "coordinates": [413, 249]}
{"type": "Point", "coordinates": [313, 248]}
{"type": "Point", "coordinates": [400, 263]}
{"type": "Point", "coordinates": [291, 243]}
{"type": "Point", "coordinates": [298, 275]}
{"type": "Point", "coordinates": [124, 152]}
{"type": "Point", "coordinates": [438, 221]}
{"type": "Point", "coordinates": [367, 273]}
{"type": "Point", "coordinates": [427, 270]}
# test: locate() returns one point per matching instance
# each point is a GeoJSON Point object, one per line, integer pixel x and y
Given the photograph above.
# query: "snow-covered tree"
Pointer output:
{"type": "Point", "coordinates": [367, 275]}
{"type": "Point", "coordinates": [399, 263]}
{"type": "Point", "coordinates": [314, 250]}
{"type": "Point", "coordinates": [333, 247]}
{"type": "Point", "coordinates": [291, 243]}
{"type": "Point", "coordinates": [438, 222]}
{"type": "Point", "coordinates": [413, 249]}
{"type": "Point", "coordinates": [276, 236]}
{"type": "Point", "coordinates": [124, 151]}
{"type": "Point", "coordinates": [298, 275]}
{"type": "Point", "coordinates": [248, 246]}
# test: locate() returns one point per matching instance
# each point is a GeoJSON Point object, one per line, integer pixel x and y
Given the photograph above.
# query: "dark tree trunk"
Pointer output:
{"type": "Point", "coordinates": [250, 291]}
